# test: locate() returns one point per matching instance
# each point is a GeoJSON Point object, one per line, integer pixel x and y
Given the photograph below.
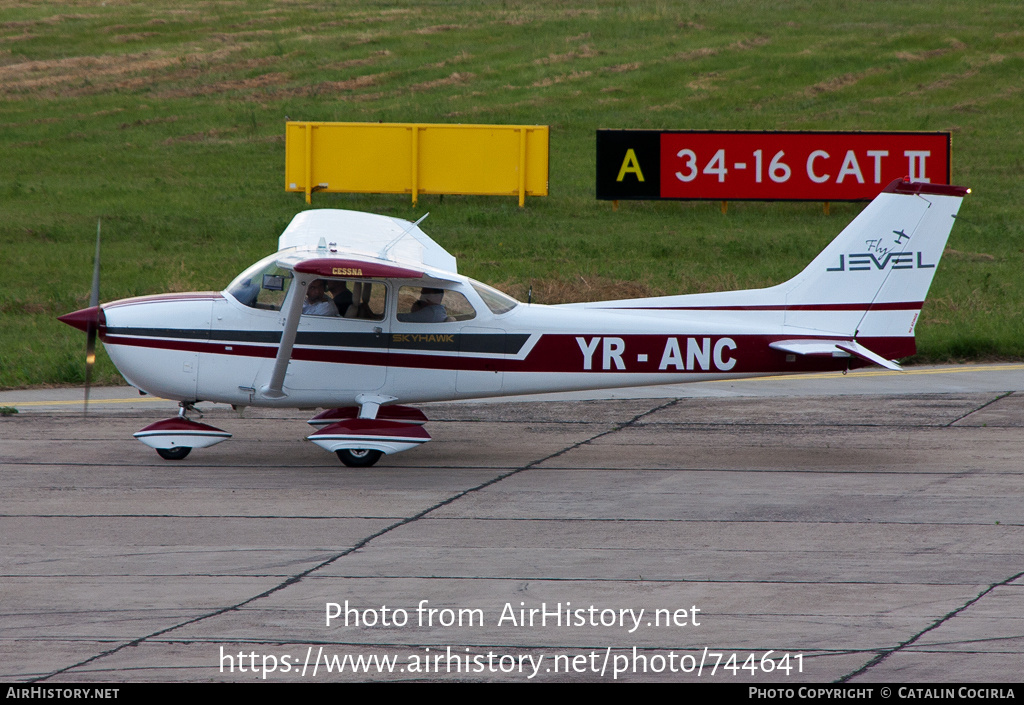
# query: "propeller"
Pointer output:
{"type": "Point", "coordinates": [94, 322]}
{"type": "Point", "coordinates": [89, 320]}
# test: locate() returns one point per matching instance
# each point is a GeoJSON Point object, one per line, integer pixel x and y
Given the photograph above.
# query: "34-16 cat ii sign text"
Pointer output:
{"type": "Point", "coordinates": [764, 166]}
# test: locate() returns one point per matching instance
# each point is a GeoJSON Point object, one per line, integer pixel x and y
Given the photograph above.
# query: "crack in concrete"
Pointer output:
{"type": "Point", "coordinates": [974, 411]}
{"type": "Point", "coordinates": [886, 653]}
{"type": "Point", "coordinates": [352, 549]}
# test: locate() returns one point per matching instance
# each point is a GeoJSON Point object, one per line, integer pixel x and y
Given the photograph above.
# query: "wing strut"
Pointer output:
{"type": "Point", "coordinates": [273, 388]}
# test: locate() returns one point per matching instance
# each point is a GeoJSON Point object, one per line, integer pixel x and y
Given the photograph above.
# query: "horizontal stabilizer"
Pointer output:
{"type": "Point", "coordinates": [864, 354]}
{"type": "Point", "coordinates": [834, 348]}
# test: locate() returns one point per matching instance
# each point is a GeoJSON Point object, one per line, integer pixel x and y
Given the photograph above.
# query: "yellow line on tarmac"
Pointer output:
{"type": "Point", "coordinates": [79, 402]}
{"type": "Point", "coordinates": [883, 373]}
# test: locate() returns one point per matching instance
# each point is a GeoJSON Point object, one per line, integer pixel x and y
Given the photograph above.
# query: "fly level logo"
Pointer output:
{"type": "Point", "coordinates": [881, 254]}
{"type": "Point", "coordinates": [868, 261]}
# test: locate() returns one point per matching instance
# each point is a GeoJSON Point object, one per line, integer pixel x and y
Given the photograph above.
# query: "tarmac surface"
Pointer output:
{"type": "Point", "coordinates": [859, 529]}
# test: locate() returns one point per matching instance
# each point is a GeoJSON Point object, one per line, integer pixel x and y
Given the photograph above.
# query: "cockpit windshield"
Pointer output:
{"type": "Point", "coordinates": [264, 285]}
{"type": "Point", "coordinates": [497, 301]}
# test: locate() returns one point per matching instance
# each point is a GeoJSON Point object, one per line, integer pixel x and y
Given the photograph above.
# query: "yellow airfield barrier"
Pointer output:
{"type": "Point", "coordinates": [416, 158]}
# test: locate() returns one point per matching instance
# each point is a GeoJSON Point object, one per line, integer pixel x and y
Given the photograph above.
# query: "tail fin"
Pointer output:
{"type": "Point", "coordinates": [860, 297]}
{"type": "Point", "coordinates": [869, 284]}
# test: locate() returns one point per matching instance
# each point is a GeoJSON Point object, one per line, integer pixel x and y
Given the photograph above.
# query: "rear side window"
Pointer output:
{"type": "Point", "coordinates": [423, 304]}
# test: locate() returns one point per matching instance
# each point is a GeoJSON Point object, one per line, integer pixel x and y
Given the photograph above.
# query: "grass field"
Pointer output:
{"type": "Point", "coordinates": [166, 120]}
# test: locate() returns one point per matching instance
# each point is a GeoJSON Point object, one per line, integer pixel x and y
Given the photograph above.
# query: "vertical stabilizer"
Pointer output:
{"type": "Point", "coordinates": [871, 281]}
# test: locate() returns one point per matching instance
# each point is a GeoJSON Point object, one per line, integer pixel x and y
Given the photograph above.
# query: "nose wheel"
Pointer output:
{"type": "Point", "coordinates": [176, 453]}
{"type": "Point", "coordinates": [174, 438]}
{"type": "Point", "coordinates": [358, 457]}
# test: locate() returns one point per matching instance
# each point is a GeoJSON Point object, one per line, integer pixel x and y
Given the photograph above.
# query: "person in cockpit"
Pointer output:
{"type": "Point", "coordinates": [340, 292]}
{"type": "Point", "coordinates": [427, 309]}
{"type": "Point", "coordinates": [317, 302]}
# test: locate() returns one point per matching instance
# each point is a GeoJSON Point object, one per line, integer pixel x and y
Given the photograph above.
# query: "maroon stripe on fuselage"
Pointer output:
{"type": "Point", "coordinates": [561, 353]}
{"type": "Point", "coordinates": [889, 306]}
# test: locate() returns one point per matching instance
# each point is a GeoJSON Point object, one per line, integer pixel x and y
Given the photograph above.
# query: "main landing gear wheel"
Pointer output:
{"type": "Point", "coordinates": [176, 453]}
{"type": "Point", "coordinates": [358, 457]}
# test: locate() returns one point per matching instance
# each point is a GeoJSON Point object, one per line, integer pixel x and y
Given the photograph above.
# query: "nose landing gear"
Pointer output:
{"type": "Point", "coordinates": [174, 438]}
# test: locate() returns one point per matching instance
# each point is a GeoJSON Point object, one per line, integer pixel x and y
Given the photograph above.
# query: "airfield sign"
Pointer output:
{"type": "Point", "coordinates": [764, 166]}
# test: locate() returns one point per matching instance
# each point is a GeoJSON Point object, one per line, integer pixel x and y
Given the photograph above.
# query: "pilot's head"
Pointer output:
{"type": "Point", "coordinates": [315, 290]}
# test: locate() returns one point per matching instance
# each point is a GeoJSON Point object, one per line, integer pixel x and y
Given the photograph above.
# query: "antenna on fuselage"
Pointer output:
{"type": "Point", "coordinates": [384, 252]}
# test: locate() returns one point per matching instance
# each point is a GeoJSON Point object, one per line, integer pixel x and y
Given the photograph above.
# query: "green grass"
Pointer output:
{"type": "Point", "coordinates": [167, 120]}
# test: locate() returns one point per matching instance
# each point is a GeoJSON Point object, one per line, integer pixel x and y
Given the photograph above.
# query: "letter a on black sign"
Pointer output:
{"type": "Point", "coordinates": [628, 164]}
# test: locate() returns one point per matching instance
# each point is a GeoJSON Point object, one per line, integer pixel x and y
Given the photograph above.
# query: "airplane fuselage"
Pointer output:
{"type": "Point", "coordinates": [209, 346]}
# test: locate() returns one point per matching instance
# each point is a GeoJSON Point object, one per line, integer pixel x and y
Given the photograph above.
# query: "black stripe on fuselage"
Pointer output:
{"type": "Point", "coordinates": [494, 343]}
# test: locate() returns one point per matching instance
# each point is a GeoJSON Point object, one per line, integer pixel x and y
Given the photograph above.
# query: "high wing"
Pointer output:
{"type": "Point", "coordinates": [366, 236]}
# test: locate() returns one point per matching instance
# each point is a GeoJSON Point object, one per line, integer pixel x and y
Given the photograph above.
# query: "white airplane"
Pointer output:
{"type": "Point", "coordinates": [403, 327]}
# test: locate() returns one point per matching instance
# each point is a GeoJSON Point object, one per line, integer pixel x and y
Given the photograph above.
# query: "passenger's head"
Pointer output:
{"type": "Point", "coordinates": [336, 286]}
{"type": "Point", "coordinates": [432, 296]}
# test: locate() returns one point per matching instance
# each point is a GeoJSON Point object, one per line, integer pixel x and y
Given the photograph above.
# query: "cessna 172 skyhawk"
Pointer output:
{"type": "Point", "coordinates": [403, 327]}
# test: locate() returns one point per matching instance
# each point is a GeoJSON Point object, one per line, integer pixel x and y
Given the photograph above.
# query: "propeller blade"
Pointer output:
{"type": "Point", "coordinates": [93, 323]}
{"type": "Point", "coordinates": [94, 297]}
{"type": "Point", "coordinates": [90, 358]}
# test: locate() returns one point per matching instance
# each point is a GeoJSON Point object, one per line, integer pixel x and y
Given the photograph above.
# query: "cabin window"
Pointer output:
{"type": "Point", "coordinates": [424, 304]}
{"type": "Point", "coordinates": [363, 300]}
